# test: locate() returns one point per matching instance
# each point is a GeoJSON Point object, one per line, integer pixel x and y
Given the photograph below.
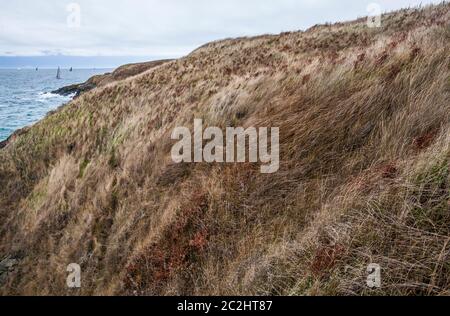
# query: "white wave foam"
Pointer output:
{"type": "Point", "coordinates": [47, 95]}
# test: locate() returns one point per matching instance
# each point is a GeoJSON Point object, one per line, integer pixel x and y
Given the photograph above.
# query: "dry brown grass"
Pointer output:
{"type": "Point", "coordinates": [364, 116]}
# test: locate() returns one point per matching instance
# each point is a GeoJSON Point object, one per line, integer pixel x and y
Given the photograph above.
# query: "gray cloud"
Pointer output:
{"type": "Point", "coordinates": [161, 27]}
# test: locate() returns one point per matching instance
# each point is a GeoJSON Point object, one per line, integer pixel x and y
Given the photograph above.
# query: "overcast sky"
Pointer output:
{"type": "Point", "coordinates": [168, 28]}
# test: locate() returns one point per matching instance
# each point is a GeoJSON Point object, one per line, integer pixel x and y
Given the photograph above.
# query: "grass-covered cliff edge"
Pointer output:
{"type": "Point", "coordinates": [364, 117]}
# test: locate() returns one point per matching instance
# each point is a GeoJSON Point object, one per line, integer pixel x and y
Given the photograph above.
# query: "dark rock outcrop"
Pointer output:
{"type": "Point", "coordinates": [3, 144]}
{"type": "Point", "coordinates": [7, 266]}
{"type": "Point", "coordinates": [76, 89]}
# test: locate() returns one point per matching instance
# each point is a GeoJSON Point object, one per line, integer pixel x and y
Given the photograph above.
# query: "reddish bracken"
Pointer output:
{"type": "Point", "coordinates": [183, 242]}
{"type": "Point", "coordinates": [200, 240]}
{"type": "Point", "coordinates": [389, 171]}
{"type": "Point", "coordinates": [381, 59]}
{"type": "Point", "coordinates": [326, 258]}
{"type": "Point", "coordinates": [393, 45]}
{"type": "Point", "coordinates": [424, 141]}
{"type": "Point", "coordinates": [361, 57]}
{"type": "Point", "coordinates": [415, 52]}
{"type": "Point", "coordinates": [306, 79]}
{"type": "Point", "coordinates": [393, 72]}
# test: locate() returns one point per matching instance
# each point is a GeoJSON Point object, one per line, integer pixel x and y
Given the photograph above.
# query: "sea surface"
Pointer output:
{"type": "Point", "coordinates": [25, 95]}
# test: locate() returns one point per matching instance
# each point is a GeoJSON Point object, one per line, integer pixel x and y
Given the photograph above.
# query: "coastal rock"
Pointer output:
{"type": "Point", "coordinates": [76, 89]}
{"type": "Point", "coordinates": [7, 265]}
{"type": "Point", "coordinates": [3, 144]}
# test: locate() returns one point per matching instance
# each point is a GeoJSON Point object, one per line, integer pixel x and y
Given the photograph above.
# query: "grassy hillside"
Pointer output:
{"type": "Point", "coordinates": [364, 117]}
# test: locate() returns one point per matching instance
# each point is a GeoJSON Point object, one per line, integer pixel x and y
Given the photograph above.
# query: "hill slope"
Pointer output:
{"type": "Point", "coordinates": [364, 117]}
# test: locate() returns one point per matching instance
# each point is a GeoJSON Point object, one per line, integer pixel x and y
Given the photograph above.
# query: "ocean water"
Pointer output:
{"type": "Point", "coordinates": [25, 96]}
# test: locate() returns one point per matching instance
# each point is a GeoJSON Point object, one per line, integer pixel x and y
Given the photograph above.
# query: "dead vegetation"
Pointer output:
{"type": "Point", "coordinates": [364, 117]}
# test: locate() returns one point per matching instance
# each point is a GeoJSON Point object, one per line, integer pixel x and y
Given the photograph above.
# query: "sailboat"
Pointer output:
{"type": "Point", "coordinates": [58, 73]}
{"type": "Point", "coordinates": [71, 69]}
